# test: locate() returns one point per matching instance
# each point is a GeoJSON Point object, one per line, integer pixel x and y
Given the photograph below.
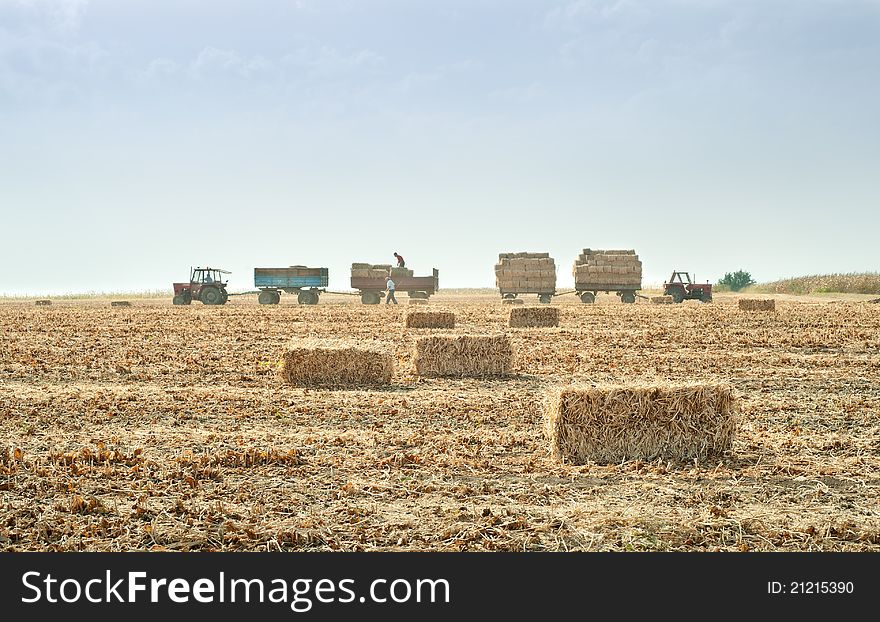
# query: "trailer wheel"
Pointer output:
{"type": "Point", "coordinates": [370, 298]}
{"type": "Point", "coordinates": [268, 297]}
{"type": "Point", "coordinates": [544, 299]}
{"type": "Point", "coordinates": [588, 298]}
{"type": "Point", "coordinates": [508, 296]}
{"type": "Point", "coordinates": [307, 297]}
{"type": "Point", "coordinates": [628, 297]}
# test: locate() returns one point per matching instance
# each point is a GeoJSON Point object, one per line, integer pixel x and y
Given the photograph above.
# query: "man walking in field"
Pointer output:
{"type": "Point", "coordinates": [400, 262]}
{"type": "Point", "coordinates": [390, 285]}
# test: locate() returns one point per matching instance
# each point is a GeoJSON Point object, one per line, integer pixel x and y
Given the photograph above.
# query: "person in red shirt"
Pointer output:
{"type": "Point", "coordinates": [400, 262]}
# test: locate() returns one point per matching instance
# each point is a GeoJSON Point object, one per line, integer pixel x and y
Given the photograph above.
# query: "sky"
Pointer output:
{"type": "Point", "coordinates": [141, 137]}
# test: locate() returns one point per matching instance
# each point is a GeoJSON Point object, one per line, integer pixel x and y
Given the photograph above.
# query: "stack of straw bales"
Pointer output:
{"type": "Point", "coordinates": [525, 273]}
{"type": "Point", "coordinates": [464, 355]}
{"type": "Point", "coordinates": [662, 300]}
{"type": "Point", "coordinates": [378, 271]}
{"type": "Point", "coordinates": [616, 423]}
{"type": "Point", "coordinates": [435, 319]}
{"type": "Point", "coordinates": [620, 268]}
{"type": "Point", "coordinates": [754, 304]}
{"type": "Point", "coordinates": [335, 363]}
{"type": "Point", "coordinates": [534, 317]}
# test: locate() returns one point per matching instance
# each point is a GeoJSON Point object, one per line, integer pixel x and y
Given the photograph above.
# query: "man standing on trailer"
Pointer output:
{"type": "Point", "coordinates": [389, 284]}
{"type": "Point", "coordinates": [400, 262]}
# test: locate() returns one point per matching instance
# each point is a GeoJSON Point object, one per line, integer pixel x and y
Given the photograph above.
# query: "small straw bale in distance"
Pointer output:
{"type": "Point", "coordinates": [335, 363]}
{"type": "Point", "coordinates": [120, 303]}
{"type": "Point", "coordinates": [430, 319]}
{"type": "Point", "coordinates": [534, 317]}
{"type": "Point", "coordinates": [662, 300]}
{"type": "Point", "coordinates": [418, 301]}
{"type": "Point", "coordinates": [42, 303]}
{"type": "Point", "coordinates": [756, 304]}
{"type": "Point", "coordinates": [464, 355]}
{"type": "Point", "coordinates": [611, 424]}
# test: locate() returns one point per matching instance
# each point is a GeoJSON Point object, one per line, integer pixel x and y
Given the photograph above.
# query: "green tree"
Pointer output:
{"type": "Point", "coordinates": [736, 280]}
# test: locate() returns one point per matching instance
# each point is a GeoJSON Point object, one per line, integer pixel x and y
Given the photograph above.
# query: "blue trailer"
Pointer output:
{"type": "Point", "coordinates": [306, 283]}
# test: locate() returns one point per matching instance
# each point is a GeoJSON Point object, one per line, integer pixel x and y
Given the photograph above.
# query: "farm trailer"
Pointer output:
{"type": "Point", "coordinates": [306, 283]}
{"type": "Point", "coordinates": [371, 288]}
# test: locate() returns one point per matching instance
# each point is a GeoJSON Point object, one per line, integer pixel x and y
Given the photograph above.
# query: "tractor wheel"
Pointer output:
{"type": "Point", "coordinates": [707, 298]}
{"type": "Point", "coordinates": [225, 295]}
{"type": "Point", "coordinates": [677, 296]}
{"type": "Point", "coordinates": [268, 297]}
{"type": "Point", "coordinates": [211, 296]}
{"type": "Point", "coordinates": [628, 297]}
{"type": "Point", "coordinates": [544, 299]}
{"type": "Point", "coordinates": [370, 298]}
{"type": "Point", "coordinates": [588, 298]}
{"type": "Point", "coordinates": [179, 299]}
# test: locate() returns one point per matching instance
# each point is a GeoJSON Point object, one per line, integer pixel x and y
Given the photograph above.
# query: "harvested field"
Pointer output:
{"type": "Point", "coordinates": [640, 422]}
{"type": "Point", "coordinates": [533, 317]}
{"type": "Point", "coordinates": [120, 431]}
{"type": "Point", "coordinates": [752, 304]}
{"type": "Point", "coordinates": [430, 319]}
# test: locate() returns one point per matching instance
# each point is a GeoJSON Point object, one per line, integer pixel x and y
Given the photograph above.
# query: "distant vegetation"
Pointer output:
{"type": "Point", "coordinates": [156, 293]}
{"type": "Point", "coordinates": [735, 281]}
{"type": "Point", "coordinates": [852, 283]}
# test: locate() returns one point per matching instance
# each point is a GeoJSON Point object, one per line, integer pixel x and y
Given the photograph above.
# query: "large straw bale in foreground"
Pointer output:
{"type": "Point", "coordinates": [430, 319]}
{"type": "Point", "coordinates": [464, 355]}
{"type": "Point", "coordinates": [533, 317]}
{"type": "Point", "coordinates": [335, 363]}
{"type": "Point", "coordinates": [754, 304]}
{"type": "Point", "coordinates": [616, 423]}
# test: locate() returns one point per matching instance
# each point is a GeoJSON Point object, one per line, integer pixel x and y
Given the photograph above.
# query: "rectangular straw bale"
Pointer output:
{"type": "Point", "coordinates": [534, 317]}
{"type": "Point", "coordinates": [756, 304]}
{"type": "Point", "coordinates": [42, 303]}
{"type": "Point", "coordinates": [611, 424]}
{"type": "Point", "coordinates": [463, 355]}
{"type": "Point", "coordinates": [430, 319]}
{"type": "Point", "coordinates": [335, 363]}
{"type": "Point", "coordinates": [120, 303]}
{"type": "Point", "coordinates": [417, 301]}
{"type": "Point", "coordinates": [662, 300]}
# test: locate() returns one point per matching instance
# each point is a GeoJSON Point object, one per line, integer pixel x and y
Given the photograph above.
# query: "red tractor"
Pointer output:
{"type": "Point", "coordinates": [681, 288]}
{"type": "Point", "coordinates": [205, 285]}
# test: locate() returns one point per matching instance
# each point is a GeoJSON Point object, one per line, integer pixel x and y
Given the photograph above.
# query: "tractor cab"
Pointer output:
{"type": "Point", "coordinates": [681, 288]}
{"type": "Point", "coordinates": [205, 285]}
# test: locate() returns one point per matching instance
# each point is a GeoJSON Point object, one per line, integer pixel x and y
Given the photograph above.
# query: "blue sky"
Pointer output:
{"type": "Point", "coordinates": [139, 138]}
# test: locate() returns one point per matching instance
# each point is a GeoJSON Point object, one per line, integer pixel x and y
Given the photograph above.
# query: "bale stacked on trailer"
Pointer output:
{"type": "Point", "coordinates": [754, 304]}
{"type": "Point", "coordinates": [464, 355]}
{"type": "Point", "coordinates": [525, 273]}
{"type": "Point", "coordinates": [377, 271]}
{"type": "Point", "coordinates": [335, 363]}
{"type": "Point", "coordinates": [430, 319]}
{"type": "Point", "coordinates": [608, 267]}
{"type": "Point", "coordinates": [534, 317]}
{"type": "Point", "coordinates": [616, 423]}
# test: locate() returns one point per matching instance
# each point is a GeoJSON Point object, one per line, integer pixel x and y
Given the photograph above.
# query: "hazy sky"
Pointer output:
{"type": "Point", "coordinates": [140, 137]}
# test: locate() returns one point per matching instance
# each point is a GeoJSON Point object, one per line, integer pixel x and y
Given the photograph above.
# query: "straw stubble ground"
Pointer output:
{"type": "Point", "coordinates": [160, 427]}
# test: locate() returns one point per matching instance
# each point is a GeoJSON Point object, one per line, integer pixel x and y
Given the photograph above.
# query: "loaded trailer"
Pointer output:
{"type": "Point", "coordinates": [372, 286]}
{"type": "Point", "coordinates": [609, 271]}
{"type": "Point", "coordinates": [524, 273]}
{"type": "Point", "coordinates": [306, 283]}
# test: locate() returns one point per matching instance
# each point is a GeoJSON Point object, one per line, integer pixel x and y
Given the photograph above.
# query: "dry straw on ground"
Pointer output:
{"type": "Point", "coordinates": [464, 355]}
{"type": "Point", "coordinates": [430, 319]}
{"type": "Point", "coordinates": [335, 363]}
{"type": "Point", "coordinates": [612, 424]}
{"type": "Point", "coordinates": [662, 300]}
{"type": "Point", "coordinates": [534, 317]}
{"type": "Point", "coordinates": [754, 304]}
